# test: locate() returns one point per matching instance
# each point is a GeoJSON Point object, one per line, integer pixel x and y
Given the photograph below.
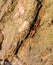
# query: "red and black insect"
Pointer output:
{"type": "Point", "coordinates": [34, 28]}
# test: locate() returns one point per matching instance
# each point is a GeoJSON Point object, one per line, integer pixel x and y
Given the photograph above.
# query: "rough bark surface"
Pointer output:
{"type": "Point", "coordinates": [17, 18]}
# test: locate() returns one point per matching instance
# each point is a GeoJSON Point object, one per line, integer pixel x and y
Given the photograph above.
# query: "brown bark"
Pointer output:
{"type": "Point", "coordinates": [17, 27]}
{"type": "Point", "coordinates": [17, 47]}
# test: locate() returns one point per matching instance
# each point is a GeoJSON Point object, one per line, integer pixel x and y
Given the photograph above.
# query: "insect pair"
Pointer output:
{"type": "Point", "coordinates": [34, 28]}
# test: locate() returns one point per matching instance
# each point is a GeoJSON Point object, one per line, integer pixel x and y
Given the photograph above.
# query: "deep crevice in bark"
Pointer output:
{"type": "Point", "coordinates": [39, 5]}
{"type": "Point", "coordinates": [18, 46]}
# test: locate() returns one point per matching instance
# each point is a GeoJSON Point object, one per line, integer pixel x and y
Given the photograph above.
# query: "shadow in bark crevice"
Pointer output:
{"type": "Point", "coordinates": [39, 5]}
{"type": "Point", "coordinates": [18, 46]}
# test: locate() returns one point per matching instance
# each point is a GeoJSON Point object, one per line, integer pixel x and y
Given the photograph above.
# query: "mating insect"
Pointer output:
{"type": "Point", "coordinates": [34, 28]}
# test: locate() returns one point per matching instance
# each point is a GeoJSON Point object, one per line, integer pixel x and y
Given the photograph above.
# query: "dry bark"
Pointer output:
{"type": "Point", "coordinates": [17, 27]}
{"type": "Point", "coordinates": [16, 48]}
{"type": "Point", "coordinates": [39, 49]}
{"type": "Point", "coordinates": [5, 8]}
